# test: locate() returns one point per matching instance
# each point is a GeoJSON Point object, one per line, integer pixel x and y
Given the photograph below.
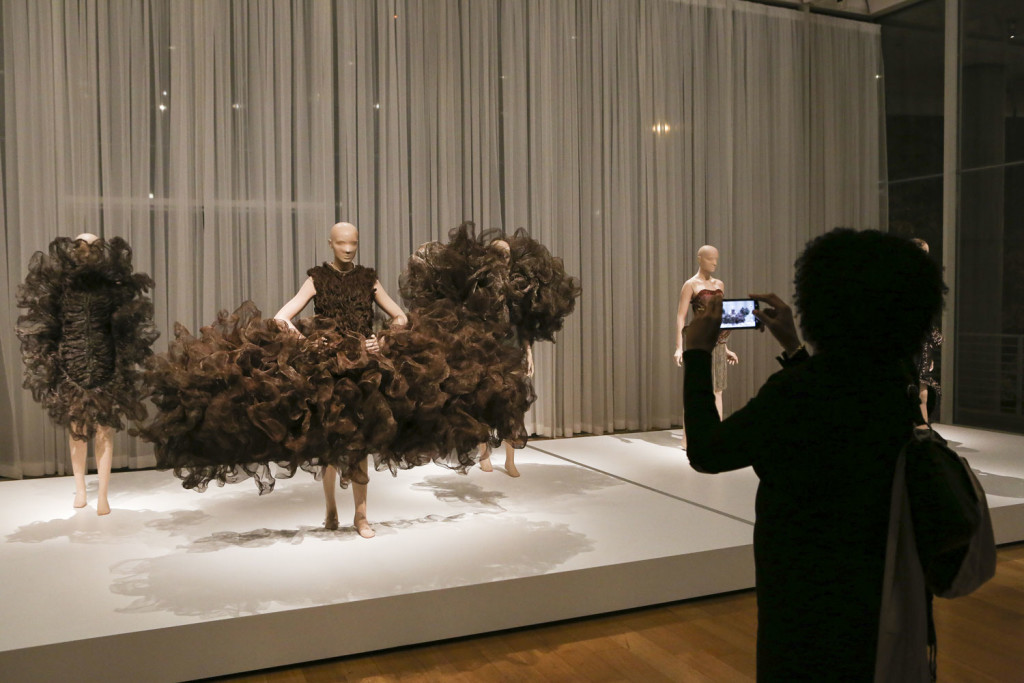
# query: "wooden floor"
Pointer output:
{"type": "Point", "coordinates": [981, 638]}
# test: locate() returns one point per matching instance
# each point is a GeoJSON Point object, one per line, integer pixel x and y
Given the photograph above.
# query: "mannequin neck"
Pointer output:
{"type": "Point", "coordinates": [704, 275]}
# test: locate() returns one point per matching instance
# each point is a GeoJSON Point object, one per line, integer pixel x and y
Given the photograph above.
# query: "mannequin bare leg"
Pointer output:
{"type": "Point", "coordinates": [510, 460]}
{"type": "Point", "coordinates": [79, 451]}
{"type": "Point", "coordinates": [718, 403]}
{"type": "Point", "coordinates": [359, 496]}
{"type": "Point", "coordinates": [924, 402]}
{"type": "Point", "coordinates": [485, 458]}
{"type": "Point", "coordinates": [329, 481]}
{"type": "Point", "coordinates": [104, 459]}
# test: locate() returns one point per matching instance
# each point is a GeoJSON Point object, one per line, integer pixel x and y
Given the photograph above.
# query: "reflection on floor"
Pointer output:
{"type": "Point", "coordinates": [594, 524]}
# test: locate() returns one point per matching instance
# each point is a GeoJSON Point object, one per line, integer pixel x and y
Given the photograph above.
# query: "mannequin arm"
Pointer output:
{"type": "Point", "coordinates": [388, 305]}
{"type": "Point", "coordinates": [685, 294]}
{"type": "Point", "coordinates": [297, 303]}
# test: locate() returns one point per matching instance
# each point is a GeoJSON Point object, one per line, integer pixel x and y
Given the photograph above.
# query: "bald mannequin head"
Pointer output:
{"type": "Point", "coordinates": [87, 237]}
{"type": "Point", "coordinates": [500, 245]}
{"type": "Point", "coordinates": [344, 241]}
{"type": "Point", "coordinates": [707, 259]}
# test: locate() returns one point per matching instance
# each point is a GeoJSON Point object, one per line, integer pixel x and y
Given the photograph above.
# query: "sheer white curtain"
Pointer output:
{"type": "Point", "coordinates": [223, 138]}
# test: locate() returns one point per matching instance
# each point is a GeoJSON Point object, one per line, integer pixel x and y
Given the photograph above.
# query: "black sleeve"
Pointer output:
{"type": "Point", "coordinates": [714, 445]}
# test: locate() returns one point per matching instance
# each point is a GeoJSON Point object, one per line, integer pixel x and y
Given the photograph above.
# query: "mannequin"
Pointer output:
{"type": "Point", "coordinates": [489, 296]}
{"type": "Point", "coordinates": [88, 326]}
{"type": "Point", "coordinates": [926, 361]}
{"type": "Point", "coordinates": [704, 280]}
{"type": "Point", "coordinates": [502, 247]}
{"type": "Point", "coordinates": [344, 243]}
{"type": "Point", "coordinates": [104, 441]}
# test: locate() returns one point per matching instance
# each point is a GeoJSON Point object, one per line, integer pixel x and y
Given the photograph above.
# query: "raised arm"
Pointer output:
{"type": "Point", "coordinates": [685, 294]}
{"type": "Point", "coordinates": [298, 302]}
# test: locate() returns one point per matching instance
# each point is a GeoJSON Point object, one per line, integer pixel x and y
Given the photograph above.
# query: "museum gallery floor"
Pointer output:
{"type": "Point", "coordinates": [177, 585]}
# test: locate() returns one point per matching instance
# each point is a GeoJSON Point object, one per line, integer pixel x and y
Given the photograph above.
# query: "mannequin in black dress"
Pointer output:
{"type": "Point", "coordinates": [929, 389]}
{"type": "Point", "coordinates": [352, 291]}
{"type": "Point", "coordinates": [88, 326]}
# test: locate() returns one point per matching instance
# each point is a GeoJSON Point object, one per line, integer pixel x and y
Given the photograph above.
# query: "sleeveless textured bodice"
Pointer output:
{"type": "Point", "coordinates": [86, 348]}
{"type": "Point", "coordinates": [700, 299]}
{"type": "Point", "coordinates": [345, 297]}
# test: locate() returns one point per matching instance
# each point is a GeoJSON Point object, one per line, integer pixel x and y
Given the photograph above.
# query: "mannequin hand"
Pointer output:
{"type": "Point", "coordinates": [529, 365]}
{"type": "Point", "coordinates": [731, 358]}
{"type": "Point", "coordinates": [778, 318]}
{"type": "Point", "coordinates": [702, 333]}
{"type": "Point", "coordinates": [372, 345]}
{"type": "Point", "coordinates": [287, 326]}
{"type": "Point", "coordinates": [678, 357]}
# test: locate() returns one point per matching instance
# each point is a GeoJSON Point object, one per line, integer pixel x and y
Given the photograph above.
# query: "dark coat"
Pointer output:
{"type": "Point", "coordinates": [822, 435]}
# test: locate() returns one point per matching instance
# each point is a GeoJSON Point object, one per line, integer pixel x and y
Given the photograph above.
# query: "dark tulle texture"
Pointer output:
{"type": "Point", "coordinates": [540, 293]}
{"type": "Point", "coordinates": [87, 327]}
{"type": "Point", "coordinates": [248, 398]}
{"type": "Point", "coordinates": [493, 302]}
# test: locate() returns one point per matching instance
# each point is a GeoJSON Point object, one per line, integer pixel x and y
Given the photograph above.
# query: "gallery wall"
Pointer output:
{"type": "Point", "coordinates": [222, 139]}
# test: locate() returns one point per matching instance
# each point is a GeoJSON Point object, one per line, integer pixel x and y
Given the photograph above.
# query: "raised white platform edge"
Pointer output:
{"type": "Point", "coordinates": [573, 537]}
{"type": "Point", "coordinates": [257, 642]}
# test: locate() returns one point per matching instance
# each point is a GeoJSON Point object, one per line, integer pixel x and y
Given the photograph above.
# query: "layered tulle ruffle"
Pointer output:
{"type": "Point", "coordinates": [248, 398]}
{"type": "Point", "coordinates": [87, 327]}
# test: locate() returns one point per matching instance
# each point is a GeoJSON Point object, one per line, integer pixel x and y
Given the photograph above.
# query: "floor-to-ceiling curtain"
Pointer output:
{"type": "Point", "coordinates": [223, 138]}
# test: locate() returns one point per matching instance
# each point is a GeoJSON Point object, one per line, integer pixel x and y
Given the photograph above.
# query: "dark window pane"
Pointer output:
{"type": "Point", "coordinates": [992, 79]}
{"type": "Point", "coordinates": [990, 299]}
{"type": "Point", "coordinates": [912, 48]}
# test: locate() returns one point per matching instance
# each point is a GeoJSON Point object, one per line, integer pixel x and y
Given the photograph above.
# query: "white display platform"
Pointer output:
{"type": "Point", "coordinates": [175, 585]}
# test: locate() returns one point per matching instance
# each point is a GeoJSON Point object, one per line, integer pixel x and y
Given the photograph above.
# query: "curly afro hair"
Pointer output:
{"type": "Point", "coordinates": [868, 293]}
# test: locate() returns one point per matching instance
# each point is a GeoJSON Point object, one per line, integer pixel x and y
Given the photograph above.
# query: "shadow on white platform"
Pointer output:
{"type": "Point", "coordinates": [175, 585]}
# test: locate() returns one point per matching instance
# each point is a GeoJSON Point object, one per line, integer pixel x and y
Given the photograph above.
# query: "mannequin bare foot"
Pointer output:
{"type": "Point", "coordinates": [80, 500]}
{"type": "Point", "coordinates": [331, 521]}
{"type": "Point", "coordinates": [510, 469]}
{"type": "Point", "coordinates": [102, 507]}
{"type": "Point", "coordinates": [363, 527]}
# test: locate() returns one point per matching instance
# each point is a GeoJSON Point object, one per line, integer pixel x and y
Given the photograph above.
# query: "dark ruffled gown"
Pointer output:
{"type": "Point", "coordinates": [87, 327]}
{"type": "Point", "coordinates": [249, 398]}
{"type": "Point", "coordinates": [502, 302]}
{"type": "Point", "coordinates": [246, 398]}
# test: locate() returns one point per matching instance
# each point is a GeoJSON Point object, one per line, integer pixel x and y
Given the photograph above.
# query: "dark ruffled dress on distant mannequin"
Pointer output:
{"type": "Point", "coordinates": [926, 368]}
{"type": "Point", "coordinates": [540, 293]}
{"type": "Point", "coordinates": [497, 302]}
{"type": "Point", "coordinates": [87, 327]}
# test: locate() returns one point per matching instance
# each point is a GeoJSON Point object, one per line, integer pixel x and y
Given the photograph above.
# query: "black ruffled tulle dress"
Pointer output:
{"type": "Point", "coordinates": [87, 327]}
{"type": "Point", "coordinates": [505, 300]}
{"type": "Point", "coordinates": [248, 399]}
